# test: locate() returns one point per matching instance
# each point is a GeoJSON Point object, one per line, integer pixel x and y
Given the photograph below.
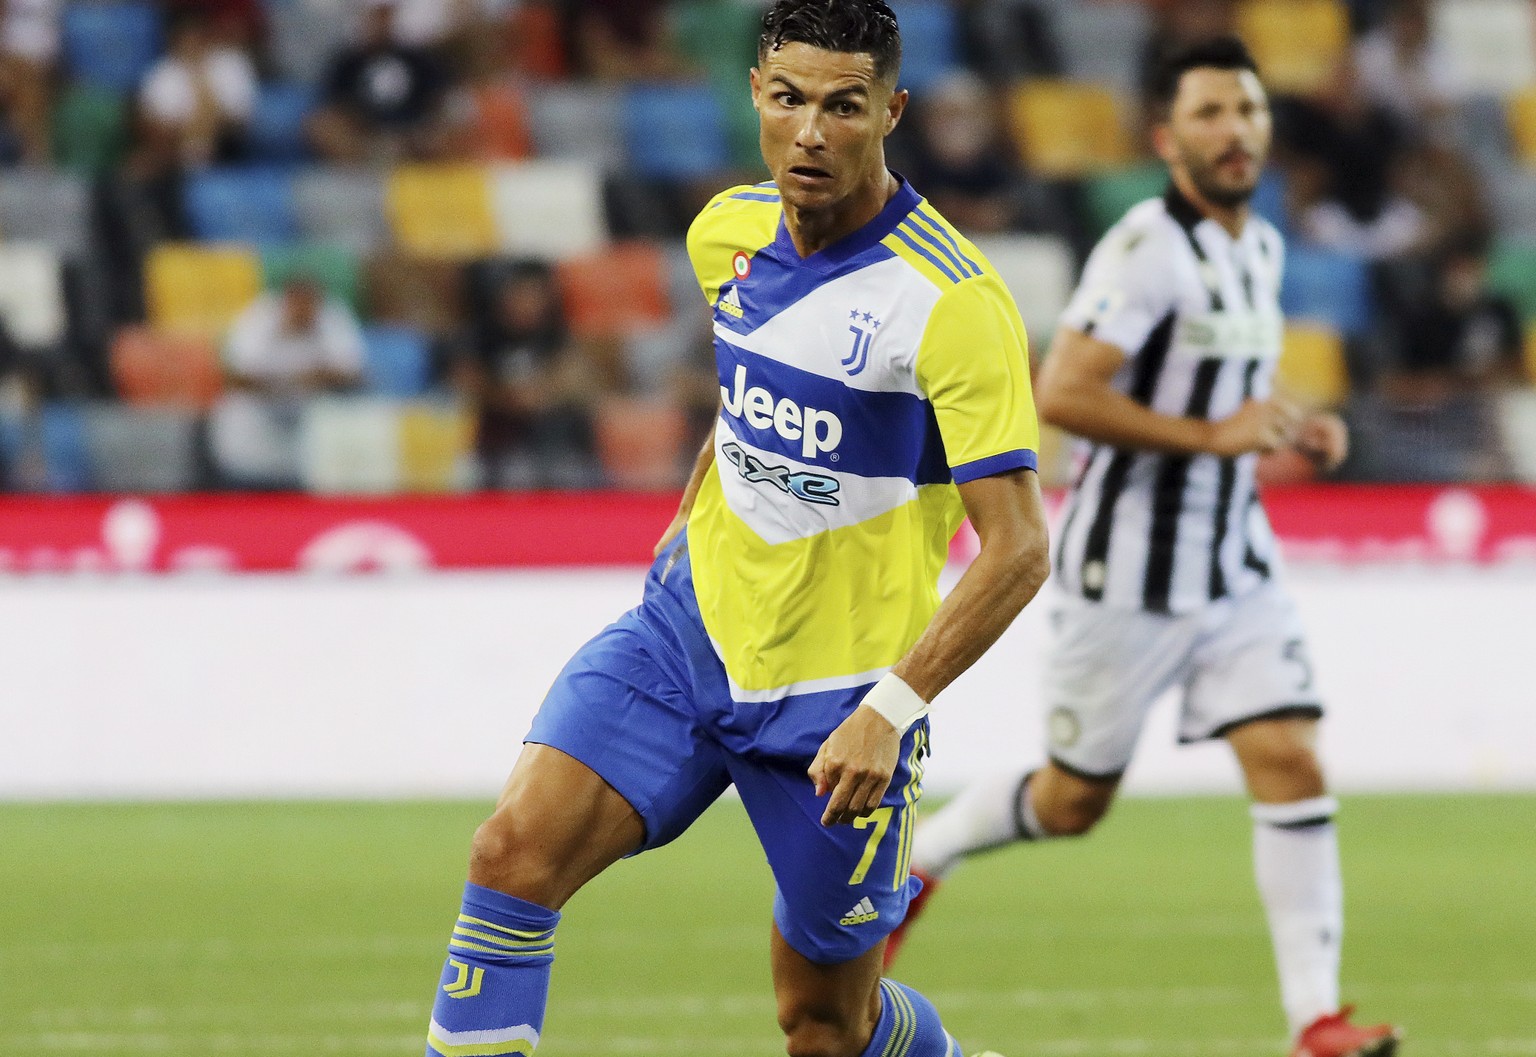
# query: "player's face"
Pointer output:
{"type": "Point", "coordinates": [823, 118]}
{"type": "Point", "coordinates": [1218, 131]}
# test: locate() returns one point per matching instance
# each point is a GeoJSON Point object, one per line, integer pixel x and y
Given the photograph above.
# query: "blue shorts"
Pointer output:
{"type": "Point", "coordinates": [647, 706]}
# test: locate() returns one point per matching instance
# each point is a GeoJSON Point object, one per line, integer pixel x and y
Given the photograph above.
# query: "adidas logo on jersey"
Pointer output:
{"type": "Point", "coordinates": [816, 430]}
{"type": "Point", "coordinates": [862, 913]}
{"type": "Point", "coordinates": [730, 303]}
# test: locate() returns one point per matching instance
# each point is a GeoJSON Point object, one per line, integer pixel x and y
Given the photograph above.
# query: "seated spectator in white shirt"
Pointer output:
{"type": "Point", "coordinates": [195, 102]}
{"type": "Point", "coordinates": [287, 347]}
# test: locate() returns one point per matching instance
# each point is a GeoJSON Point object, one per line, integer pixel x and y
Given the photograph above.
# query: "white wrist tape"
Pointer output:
{"type": "Point", "coordinates": [896, 701]}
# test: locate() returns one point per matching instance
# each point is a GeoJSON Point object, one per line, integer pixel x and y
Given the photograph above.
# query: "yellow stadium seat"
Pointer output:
{"type": "Point", "coordinates": [1298, 43]}
{"type": "Point", "coordinates": [1312, 367]}
{"type": "Point", "coordinates": [199, 289]}
{"type": "Point", "coordinates": [436, 448]}
{"type": "Point", "coordinates": [442, 212]}
{"type": "Point", "coordinates": [1067, 129]}
{"type": "Point", "coordinates": [1520, 112]}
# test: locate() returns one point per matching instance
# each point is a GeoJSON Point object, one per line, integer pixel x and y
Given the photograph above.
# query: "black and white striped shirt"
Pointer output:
{"type": "Point", "coordinates": [1198, 315]}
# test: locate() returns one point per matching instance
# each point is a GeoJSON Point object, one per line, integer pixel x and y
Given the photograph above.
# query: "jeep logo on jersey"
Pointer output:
{"type": "Point", "coordinates": [817, 431]}
{"type": "Point", "coordinates": [810, 487]}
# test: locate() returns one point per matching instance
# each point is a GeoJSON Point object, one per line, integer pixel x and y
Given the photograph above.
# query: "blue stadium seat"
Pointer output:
{"type": "Point", "coordinates": [675, 132]}
{"type": "Point", "coordinates": [111, 45]}
{"type": "Point", "coordinates": [930, 42]}
{"type": "Point", "coordinates": [242, 205]}
{"type": "Point", "coordinates": [1329, 287]}
{"type": "Point", "coordinates": [66, 450]}
{"type": "Point", "coordinates": [399, 361]}
{"type": "Point", "coordinates": [276, 130]}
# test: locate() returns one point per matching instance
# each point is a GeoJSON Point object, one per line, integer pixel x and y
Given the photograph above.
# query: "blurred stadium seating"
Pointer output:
{"type": "Point", "coordinates": [123, 278]}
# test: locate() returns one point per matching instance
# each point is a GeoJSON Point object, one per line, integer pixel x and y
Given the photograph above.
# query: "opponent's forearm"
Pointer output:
{"type": "Point", "coordinates": [1107, 416]}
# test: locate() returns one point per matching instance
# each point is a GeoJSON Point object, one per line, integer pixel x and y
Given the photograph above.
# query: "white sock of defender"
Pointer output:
{"type": "Point", "coordinates": [988, 813]}
{"type": "Point", "coordinates": [1296, 863]}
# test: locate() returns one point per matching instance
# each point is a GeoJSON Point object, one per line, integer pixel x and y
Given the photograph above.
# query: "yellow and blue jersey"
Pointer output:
{"type": "Point", "coordinates": [858, 386]}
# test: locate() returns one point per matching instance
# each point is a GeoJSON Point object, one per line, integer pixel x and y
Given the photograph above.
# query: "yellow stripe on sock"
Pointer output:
{"type": "Point", "coordinates": [460, 930]}
{"type": "Point", "coordinates": [468, 946]}
{"type": "Point", "coordinates": [519, 1047]}
{"type": "Point", "coordinates": [519, 933]}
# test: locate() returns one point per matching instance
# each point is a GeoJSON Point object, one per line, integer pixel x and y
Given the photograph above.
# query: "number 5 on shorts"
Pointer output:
{"type": "Point", "coordinates": [880, 818]}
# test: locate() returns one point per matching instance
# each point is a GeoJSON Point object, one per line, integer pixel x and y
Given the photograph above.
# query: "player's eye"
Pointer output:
{"type": "Point", "coordinates": [787, 99]}
{"type": "Point", "coordinates": [845, 108]}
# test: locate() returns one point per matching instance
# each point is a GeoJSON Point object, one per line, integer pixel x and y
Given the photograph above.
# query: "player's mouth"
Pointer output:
{"type": "Point", "coordinates": [809, 175]}
{"type": "Point", "coordinates": [1235, 159]}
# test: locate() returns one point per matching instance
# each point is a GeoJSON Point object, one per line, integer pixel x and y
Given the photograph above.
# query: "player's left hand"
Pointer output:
{"type": "Point", "coordinates": [1323, 438]}
{"type": "Point", "coordinates": [855, 765]}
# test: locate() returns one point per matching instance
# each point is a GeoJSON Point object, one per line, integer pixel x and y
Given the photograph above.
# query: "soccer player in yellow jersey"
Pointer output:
{"type": "Point", "coordinates": [874, 391]}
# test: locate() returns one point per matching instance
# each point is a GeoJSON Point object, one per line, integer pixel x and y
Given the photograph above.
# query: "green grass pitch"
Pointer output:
{"type": "Point", "coordinates": [318, 928]}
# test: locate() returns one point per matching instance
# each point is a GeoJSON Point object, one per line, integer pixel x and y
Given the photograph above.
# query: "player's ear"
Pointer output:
{"type": "Point", "coordinates": [755, 79]}
{"type": "Point", "coordinates": [894, 109]}
{"type": "Point", "coordinates": [1162, 141]}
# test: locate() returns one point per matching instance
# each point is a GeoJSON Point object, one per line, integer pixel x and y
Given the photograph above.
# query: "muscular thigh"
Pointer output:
{"type": "Point", "coordinates": [1104, 670]}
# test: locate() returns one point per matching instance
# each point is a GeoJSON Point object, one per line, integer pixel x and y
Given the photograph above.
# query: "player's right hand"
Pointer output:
{"type": "Point", "coordinates": [1259, 425]}
{"type": "Point", "coordinates": [855, 765]}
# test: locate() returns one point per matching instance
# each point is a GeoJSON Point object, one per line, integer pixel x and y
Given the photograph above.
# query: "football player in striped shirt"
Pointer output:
{"type": "Point", "coordinates": [875, 390]}
{"type": "Point", "coordinates": [1166, 568]}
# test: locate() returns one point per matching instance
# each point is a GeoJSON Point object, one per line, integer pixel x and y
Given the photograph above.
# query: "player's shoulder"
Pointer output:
{"type": "Point", "coordinates": [939, 258]}
{"type": "Point", "coordinates": [736, 223]}
{"type": "Point", "coordinates": [1146, 229]}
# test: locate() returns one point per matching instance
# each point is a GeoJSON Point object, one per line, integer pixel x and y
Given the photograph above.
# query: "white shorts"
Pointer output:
{"type": "Point", "coordinates": [1234, 661]}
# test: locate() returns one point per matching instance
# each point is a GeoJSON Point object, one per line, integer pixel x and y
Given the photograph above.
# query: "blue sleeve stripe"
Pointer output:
{"type": "Point", "coordinates": [901, 233]}
{"type": "Point", "coordinates": [938, 226]}
{"type": "Point", "coordinates": [910, 225]}
{"type": "Point", "coordinates": [1018, 459]}
{"type": "Point", "coordinates": [747, 196]}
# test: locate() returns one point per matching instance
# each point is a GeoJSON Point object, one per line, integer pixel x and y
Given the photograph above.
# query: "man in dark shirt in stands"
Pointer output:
{"type": "Point", "coordinates": [383, 100]}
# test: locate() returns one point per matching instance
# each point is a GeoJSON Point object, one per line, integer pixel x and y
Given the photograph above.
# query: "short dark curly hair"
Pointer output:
{"type": "Point", "coordinates": [1218, 53]}
{"type": "Point", "coordinates": [858, 26]}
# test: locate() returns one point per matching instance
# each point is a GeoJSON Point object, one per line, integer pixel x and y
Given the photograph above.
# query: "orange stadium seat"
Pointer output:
{"type": "Point", "coordinates": [1312, 367]}
{"type": "Point", "coordinates": [640, 443]}
{"type": "Point", "coordinates": [154, 369]}
{"type": "Point", "coordinates": [500, 128]}
{"type": "Point", "coordinates": [615, 291]}
{"type": "Point", "coordinates": [1068, 129]}
{"type": "Point", "coordinates": [442, 212]}
{"type": "Point", "coordinates": [535, 40]}
{"type": "Point", "coordinates": [200, 289]}
{"type": "Point", "coordinates": [1297, 43]}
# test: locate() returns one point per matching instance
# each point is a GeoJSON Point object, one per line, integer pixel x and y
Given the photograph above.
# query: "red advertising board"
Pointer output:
{"type": "Point", "coordinates": [274, 533]}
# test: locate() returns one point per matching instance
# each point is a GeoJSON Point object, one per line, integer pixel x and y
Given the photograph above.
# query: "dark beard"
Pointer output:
{"type": "Point", "coordinates": [1217, 195]}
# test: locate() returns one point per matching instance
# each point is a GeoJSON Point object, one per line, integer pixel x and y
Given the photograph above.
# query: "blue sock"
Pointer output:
{"type": "Point", "coordinates": [909, 1026]}
{"type": "Point", "coordinates": [496, 982]}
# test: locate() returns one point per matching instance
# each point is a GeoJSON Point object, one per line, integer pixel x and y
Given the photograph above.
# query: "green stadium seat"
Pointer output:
{"type": "Point", "coordinates": [1110, 194]}
{"type": "Point", "coordinates": [1512, 272]}
{"type": "Point", "coordinates": [90, 129]}
{"type": "Point", "coordinates": [335, 267]}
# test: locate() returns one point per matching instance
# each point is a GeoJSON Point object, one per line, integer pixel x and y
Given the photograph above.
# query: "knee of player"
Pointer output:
{"type": "Point", "coordinates": [821, 1032]}
{"type": "Point", "coordinates": [1293, 765]}
{"type": "Point", "coordinates": [506, 855]}
{"type": "Point", "coordinates": [1072, 816]}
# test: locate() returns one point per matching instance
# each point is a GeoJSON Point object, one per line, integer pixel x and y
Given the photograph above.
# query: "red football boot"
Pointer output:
{"type": "Point", "coordinates": [1332, 1035]}
{"type": "Point", "coordinates": [914, 908]}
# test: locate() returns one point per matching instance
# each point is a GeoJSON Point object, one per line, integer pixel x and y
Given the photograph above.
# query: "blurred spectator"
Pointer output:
{"type": "Point", "coordinates": [383, 99]}
{"type": "Point", "coordinates": [29, 47]}
{"type": "Point", "coordinates": [238, 24]}
{"type": "Point", "coordinates": [1463, 336]}
{"type": "Point", "coordinates": [195, 102]}
{"type": "Point", "coordinates": [960, 161]}
{"type": "Point", "coordinates": [532, 386]}
{"type": "Point", "coordinates": [1341, 151]}
{"type": "Point", "coordinates": [1402, 69]}
{"type": "Point", "coordinates": [625, 40]}
{"type": "Point", "coordinates": [288, 346]}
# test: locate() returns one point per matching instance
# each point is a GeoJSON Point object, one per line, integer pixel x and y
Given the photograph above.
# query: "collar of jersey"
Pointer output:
{"type": "Point", "coordinates": [1190, 218]}
{"type": "Point", "coordinates": [851, 245]}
